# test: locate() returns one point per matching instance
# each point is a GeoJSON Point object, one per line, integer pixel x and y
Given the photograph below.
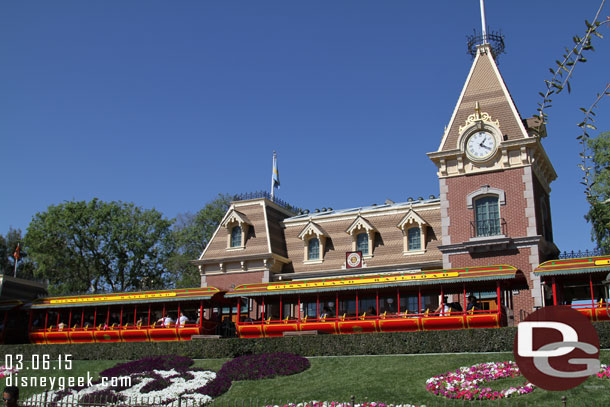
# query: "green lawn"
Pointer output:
{"type": "Point", "coordinates": [374, 378]}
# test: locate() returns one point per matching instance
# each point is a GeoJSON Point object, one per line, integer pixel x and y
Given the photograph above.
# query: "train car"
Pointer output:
{"type": "Point", "coordinates": [124, 317]}
{"type": "Point", "coordinates": [410, 301]}
{"type": "Point", "coordinates": [580, 283]}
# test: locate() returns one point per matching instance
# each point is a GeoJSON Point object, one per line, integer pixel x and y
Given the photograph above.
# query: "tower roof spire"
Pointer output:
{"type": "Point", "coordinates": [493, 41]}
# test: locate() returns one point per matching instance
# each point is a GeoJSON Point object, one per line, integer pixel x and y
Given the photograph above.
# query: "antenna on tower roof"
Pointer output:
{"type": "Point", "coordinates": [495, 41]}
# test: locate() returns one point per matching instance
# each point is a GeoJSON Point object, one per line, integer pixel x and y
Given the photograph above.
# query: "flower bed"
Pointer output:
{"type": "Point", "coordinates": [168, 379]}
{"type": "Point", "coordinates": [604, 372]}
{"type": "Point", "coordinates": [4, 371]}
{"type": "Point", "coordinates": [467, 382]}
{"type": "Point", "coordinates": [162, 379]}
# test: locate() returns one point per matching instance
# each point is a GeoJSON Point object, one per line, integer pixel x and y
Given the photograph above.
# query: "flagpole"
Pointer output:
{"type": "Point", "coordinates": [272, 174]}
{"type": "Point", "coordinates": [16, 256]}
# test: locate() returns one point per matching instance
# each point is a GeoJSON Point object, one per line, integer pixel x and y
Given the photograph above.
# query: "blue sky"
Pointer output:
{"type": "Point", "coordinates": [166, 104]}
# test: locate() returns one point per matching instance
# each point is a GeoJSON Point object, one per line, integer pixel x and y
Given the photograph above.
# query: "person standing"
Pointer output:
{"type": "Point", "coordinates": [11, 396]}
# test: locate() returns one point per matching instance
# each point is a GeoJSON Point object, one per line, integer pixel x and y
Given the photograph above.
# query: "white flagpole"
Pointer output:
{"type": "Point", "coordinates": [273, 175]}
{"type": "Point", "coordinates": [483, 24]}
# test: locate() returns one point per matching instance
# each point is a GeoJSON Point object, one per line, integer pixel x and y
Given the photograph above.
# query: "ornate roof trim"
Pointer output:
{"type": "Point", "coordinates": [411, 217]}
{"type": "Point", "coordinates": [360, 223]}
{"type": "Point", "coordinates": [235, 217]}
{"type": "Point", "coordinates": [312, 228]}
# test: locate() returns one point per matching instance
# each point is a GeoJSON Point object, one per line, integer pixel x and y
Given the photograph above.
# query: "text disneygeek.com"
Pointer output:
{"type": "Point", "coordinates": [60, 383]}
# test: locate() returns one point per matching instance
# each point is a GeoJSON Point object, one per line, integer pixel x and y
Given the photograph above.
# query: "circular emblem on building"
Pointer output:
{"type": "Point", "coordinates": [354, 259]}
{"type": "Point", "coordinates": [557, 348]}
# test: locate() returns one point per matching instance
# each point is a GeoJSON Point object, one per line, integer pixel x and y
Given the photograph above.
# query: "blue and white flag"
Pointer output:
{"type": "Point", "coordinates": [275, 177]}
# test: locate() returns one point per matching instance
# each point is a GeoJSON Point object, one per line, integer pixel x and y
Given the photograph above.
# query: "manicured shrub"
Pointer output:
{"type": "Point", "coordinates": [463, 340]}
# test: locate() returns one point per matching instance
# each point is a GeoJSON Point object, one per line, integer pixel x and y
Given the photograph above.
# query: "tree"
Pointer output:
{"type": "Point", "coordinates": [595, 179]}
{"type": "Point", "coordinates": [99, 246]}
{"type": "Point", "coordinates": [191, 235]}
{"type": "Point", "coordinates": [599, 197]}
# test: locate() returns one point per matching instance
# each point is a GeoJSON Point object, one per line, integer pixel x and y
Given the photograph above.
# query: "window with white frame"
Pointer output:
{"type": "Point", "coordinates": [414, 230]}
{"type": "Point", "coordinates": [363, 233]}
{"type": "Point", "coordinates": [487, 216]}
{"type": "Point", "coordinates": [314, 240]}
{"type": "Point", "coordinates": [414, 239]}
{"type": "Point", "coordinates": [236, 236]}
{"type": "Point", "coordinates": [313, 249]}
{"type": "Point", "coordinates": [237, 226]}
{"type": "Point", "coordinates": [362, 243]}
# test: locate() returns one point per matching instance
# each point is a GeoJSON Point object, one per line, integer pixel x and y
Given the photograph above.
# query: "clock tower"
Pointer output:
{"type": "Point", "coordinates": [495, 178]}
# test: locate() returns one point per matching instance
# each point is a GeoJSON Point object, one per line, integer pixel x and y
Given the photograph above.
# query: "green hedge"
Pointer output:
{"type": "Point", "coordinates": [454, 341]}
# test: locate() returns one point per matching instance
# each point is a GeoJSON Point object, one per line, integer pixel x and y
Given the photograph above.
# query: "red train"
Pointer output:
{"type": "Point", "coordinates": [408, 301]}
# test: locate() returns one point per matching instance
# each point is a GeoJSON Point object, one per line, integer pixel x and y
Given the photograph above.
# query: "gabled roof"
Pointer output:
{"type": "Point", "coordinates": [485, 86]}
{"type": "Point", "coordinates": [312, 228]}
{"type": "Point", "coordinates": [411, 217]}
{"type": "Point", "coordinates": [235, 216]}
{"type": "Point", "coordinates": [360, 223]}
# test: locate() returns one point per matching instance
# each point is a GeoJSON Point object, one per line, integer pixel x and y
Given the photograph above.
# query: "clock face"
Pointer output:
{"type": "Point", "coordinates": [481, 145]}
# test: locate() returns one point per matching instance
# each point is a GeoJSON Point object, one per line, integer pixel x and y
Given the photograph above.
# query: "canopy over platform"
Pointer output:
{"type": "Point", "coordinates": [445, 276]}
{"type": "Point", "coordinates": [138, 297]}
{"type": "Point", "coordinates": [585, 265]}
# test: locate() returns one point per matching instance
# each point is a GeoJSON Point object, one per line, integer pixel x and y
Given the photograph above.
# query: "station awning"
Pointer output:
{"type": "Point", "coordinates": [584, 265]}
{"type": "Point", "coordinates": [135, 297]}
{"type": "Point", "coordinates": [432, 277]}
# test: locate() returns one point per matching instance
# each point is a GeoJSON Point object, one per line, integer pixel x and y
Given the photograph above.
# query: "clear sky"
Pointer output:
{"type": "Point", "coordinates": [166, 104]}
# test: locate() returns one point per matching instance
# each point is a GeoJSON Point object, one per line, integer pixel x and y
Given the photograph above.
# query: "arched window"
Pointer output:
{"type": "Point", "coordinates": [487, 216]}
{"type": "Point", "coordinates": [313, 249]}
{"type": "Point", "coordinates": [414, 239]}
{"type": "Point", "coordinates": [362, 243]}
{"type": "Point", "coordinates": [236, 236]}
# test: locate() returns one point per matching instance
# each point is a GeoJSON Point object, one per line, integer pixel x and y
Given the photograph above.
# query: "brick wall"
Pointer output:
{"type": "Point", "coordinates": [510, 181]}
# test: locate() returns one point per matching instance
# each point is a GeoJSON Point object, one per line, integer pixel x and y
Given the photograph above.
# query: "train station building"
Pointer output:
{"type": "Point", "coordinates": [493, 208]}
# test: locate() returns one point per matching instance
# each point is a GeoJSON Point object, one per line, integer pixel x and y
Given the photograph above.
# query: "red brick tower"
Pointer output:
{"type": "Point", "coordinates": [494, 178]}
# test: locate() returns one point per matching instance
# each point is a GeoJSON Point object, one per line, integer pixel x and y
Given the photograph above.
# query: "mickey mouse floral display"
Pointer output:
{"type": "Point", "coordinates": [467, 382]}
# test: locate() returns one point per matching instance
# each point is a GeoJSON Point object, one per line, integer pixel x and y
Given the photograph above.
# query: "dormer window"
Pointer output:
{"type": "Point", "coordinates": [236, 236]}
{"type": "Point", "coordinates": [363, 236]}
{"type": "Point", "coordinates": [414, 239]}
{"type": "Point", "coordinates": [314, 240]}
{"type": "Point", "coordinates": [362, 243]}
{"type": "Point", "coordinates": [313, 249]}
{"type": "Point", "coordinates": [237, 226]}
{"type": "Point", "coordinates": [414, 229]}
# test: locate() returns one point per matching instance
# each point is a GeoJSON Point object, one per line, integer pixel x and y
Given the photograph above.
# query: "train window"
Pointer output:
{"type": "Point", "coordinates": [38, 319]}
{"type": "Point", "coordinates": [171, 310]}
{"type": "Point", "coordinates": [327, 306]}
{"type": "Point", "coordinates": [347, 305]}
{"type": "Point", "coordinates": [89, 316]}
{"type": "Point", "coordinates": [577, 295]}
{"type": "Point", "coordinates": [429, 302]}
{"type": "Point", "coordinates": [387, 305]}
{"type": "Point", "coordinates": [52, 317]}
{"type": "Point", "coordinates": [142, 316]}
{"type": "Point", "coordinates": [289, 308]}
{"type": "Point", "coordinates": [114, 319]}
{"type": "Point", "coordinates": [368, 304]}
{"type": "Point", "coordinates": [129, 315]}
{"type": "Point", "coordinates": [75, 321]}
{"type": "Point", "coordinates": [190, 311]}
